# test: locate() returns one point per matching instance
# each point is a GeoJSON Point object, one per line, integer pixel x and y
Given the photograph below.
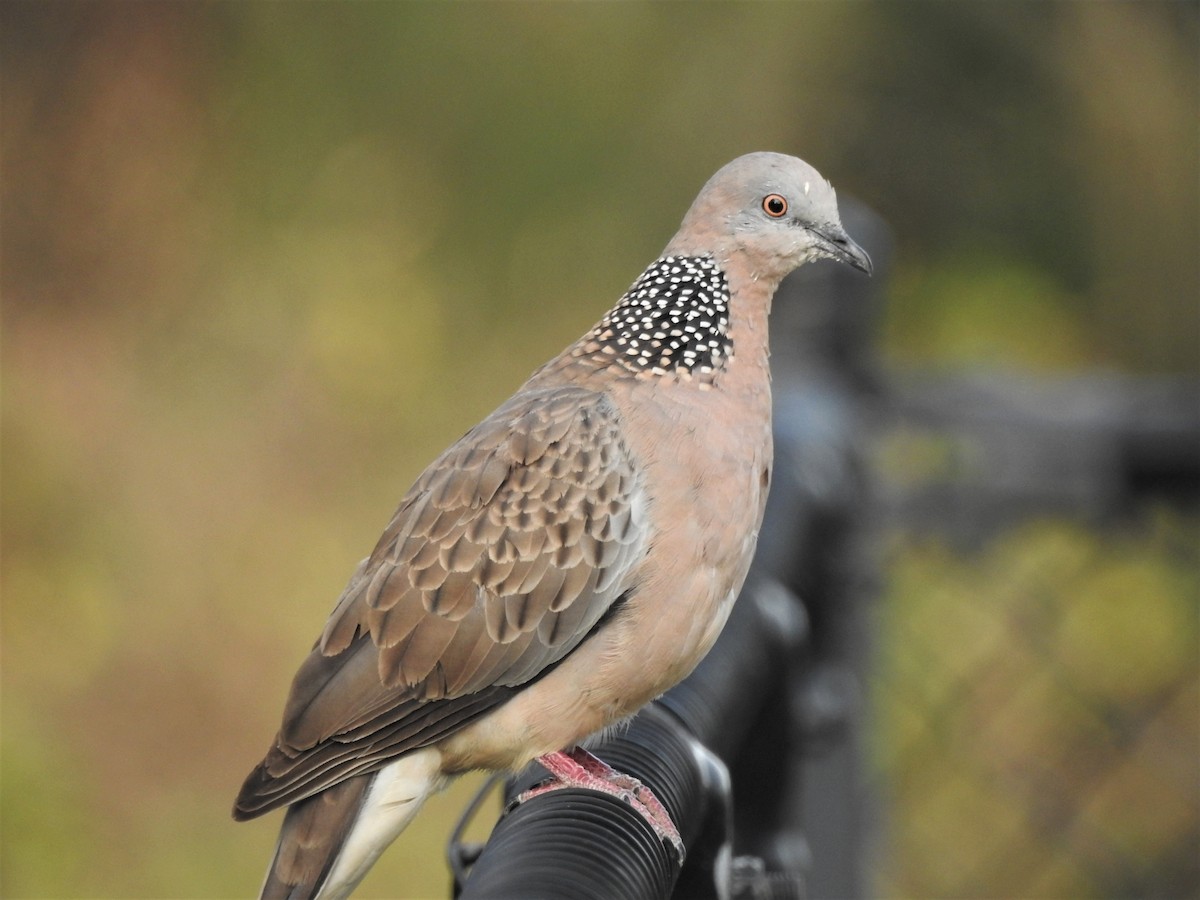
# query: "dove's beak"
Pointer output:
{"type": "Point", "coordinates": [834, 241]}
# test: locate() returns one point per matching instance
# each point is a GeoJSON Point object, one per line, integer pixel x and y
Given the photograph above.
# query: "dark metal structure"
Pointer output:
{"type": "Point", "coordinates": [769, 718]}
{"type": "Point", "coordinates": [759, 754]}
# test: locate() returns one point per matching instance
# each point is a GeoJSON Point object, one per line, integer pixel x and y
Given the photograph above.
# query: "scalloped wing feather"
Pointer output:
{"type": "Point", "coordinates": [500, 560]}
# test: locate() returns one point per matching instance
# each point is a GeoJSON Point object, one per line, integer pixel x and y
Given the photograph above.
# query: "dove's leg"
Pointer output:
{"type": "Point", "coordinates": [579, 768]}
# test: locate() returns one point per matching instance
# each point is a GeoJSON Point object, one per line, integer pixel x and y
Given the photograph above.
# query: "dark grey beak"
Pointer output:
{"type": "Point", "coordinates": [837, 244]}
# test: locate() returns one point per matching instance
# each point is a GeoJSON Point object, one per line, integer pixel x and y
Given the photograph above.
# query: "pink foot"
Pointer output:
{"type": "Point", "coordinates": [578, 768]}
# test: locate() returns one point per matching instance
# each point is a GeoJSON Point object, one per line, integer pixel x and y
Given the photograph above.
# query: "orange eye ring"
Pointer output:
{"type": "Point", "coordinates": [775, 205]}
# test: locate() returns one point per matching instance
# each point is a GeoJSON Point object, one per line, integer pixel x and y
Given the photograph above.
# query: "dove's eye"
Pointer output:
{"type": "Point", "coordinates": [774, 205]}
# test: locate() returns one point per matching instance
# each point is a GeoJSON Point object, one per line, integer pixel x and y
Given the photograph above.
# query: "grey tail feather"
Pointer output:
{"type": "Point", "coordinates": [313, 833]}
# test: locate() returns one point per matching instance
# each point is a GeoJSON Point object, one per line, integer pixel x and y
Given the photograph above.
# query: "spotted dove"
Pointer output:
{"type": "Point", "coordinates": [568, 559]}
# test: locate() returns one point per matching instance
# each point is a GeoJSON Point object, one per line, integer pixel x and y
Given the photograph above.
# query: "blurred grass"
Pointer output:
{"type": "Point", "coordinates": [1037, 711]}
{"type": "Point", "coordinates": [260, 262]}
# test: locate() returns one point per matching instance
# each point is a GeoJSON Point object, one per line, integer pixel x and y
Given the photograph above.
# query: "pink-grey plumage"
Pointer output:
{"type": "Point", "coordinates": [569, 558]}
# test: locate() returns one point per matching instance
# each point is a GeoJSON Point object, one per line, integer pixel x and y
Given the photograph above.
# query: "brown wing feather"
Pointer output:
{"type": "Point", "coordinates": [501, 558]}
{"type": "Point", "coordinates": [313, 832]}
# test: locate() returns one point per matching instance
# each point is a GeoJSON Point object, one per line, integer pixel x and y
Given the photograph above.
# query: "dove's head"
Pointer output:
{"type": "Point", "coordinates": [775, 210]}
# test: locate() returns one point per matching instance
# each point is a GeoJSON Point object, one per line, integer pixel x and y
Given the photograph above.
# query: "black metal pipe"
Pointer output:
{"type": "Point", "coordinates": [572, 843]}
{"type": "Point", "coordinates": [582, 843]}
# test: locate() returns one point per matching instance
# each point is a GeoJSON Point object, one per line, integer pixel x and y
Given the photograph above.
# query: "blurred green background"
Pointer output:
{"type": "Point", "coordinates": [261, 261]}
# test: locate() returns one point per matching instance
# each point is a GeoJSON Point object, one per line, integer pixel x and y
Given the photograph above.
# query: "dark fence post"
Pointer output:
{"type": "Point", "coordinates": [802, 801]}
{"type": "Point", "coordinates": [776, 701]}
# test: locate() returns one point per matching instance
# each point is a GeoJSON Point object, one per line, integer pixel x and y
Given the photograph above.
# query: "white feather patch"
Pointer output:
{"type": "Point", "coordinates": [397, 793]}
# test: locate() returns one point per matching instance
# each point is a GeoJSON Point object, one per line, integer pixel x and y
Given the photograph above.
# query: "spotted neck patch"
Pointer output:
{"type": "Point", "coordinates": [675, 318]}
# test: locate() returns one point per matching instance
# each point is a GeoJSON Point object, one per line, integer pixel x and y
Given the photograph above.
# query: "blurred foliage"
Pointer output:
{"type": "Point", "coordinates": [976, 311]}
{"type": "Point", "coordinates": [261, 261]}
{"type": "Point", "coordinates": [1038, 713]}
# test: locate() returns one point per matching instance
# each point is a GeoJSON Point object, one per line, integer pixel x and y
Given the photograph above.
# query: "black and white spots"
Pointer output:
{"type": "Point", "coordinates": [675, 318]}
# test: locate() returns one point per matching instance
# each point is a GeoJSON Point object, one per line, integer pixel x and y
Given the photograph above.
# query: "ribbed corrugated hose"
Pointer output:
{"type": "Point", "coordinates": [583, 844]}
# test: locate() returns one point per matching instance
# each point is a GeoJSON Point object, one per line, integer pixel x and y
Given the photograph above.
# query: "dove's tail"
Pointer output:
{"type": "Point", "coordinates": [330, 840]}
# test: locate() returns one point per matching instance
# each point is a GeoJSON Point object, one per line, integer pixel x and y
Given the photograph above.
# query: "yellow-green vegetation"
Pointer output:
{"type": "Point", "coordinates": [980, 311]}
{"type": "Point", "coordinates": [1037, 705]}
